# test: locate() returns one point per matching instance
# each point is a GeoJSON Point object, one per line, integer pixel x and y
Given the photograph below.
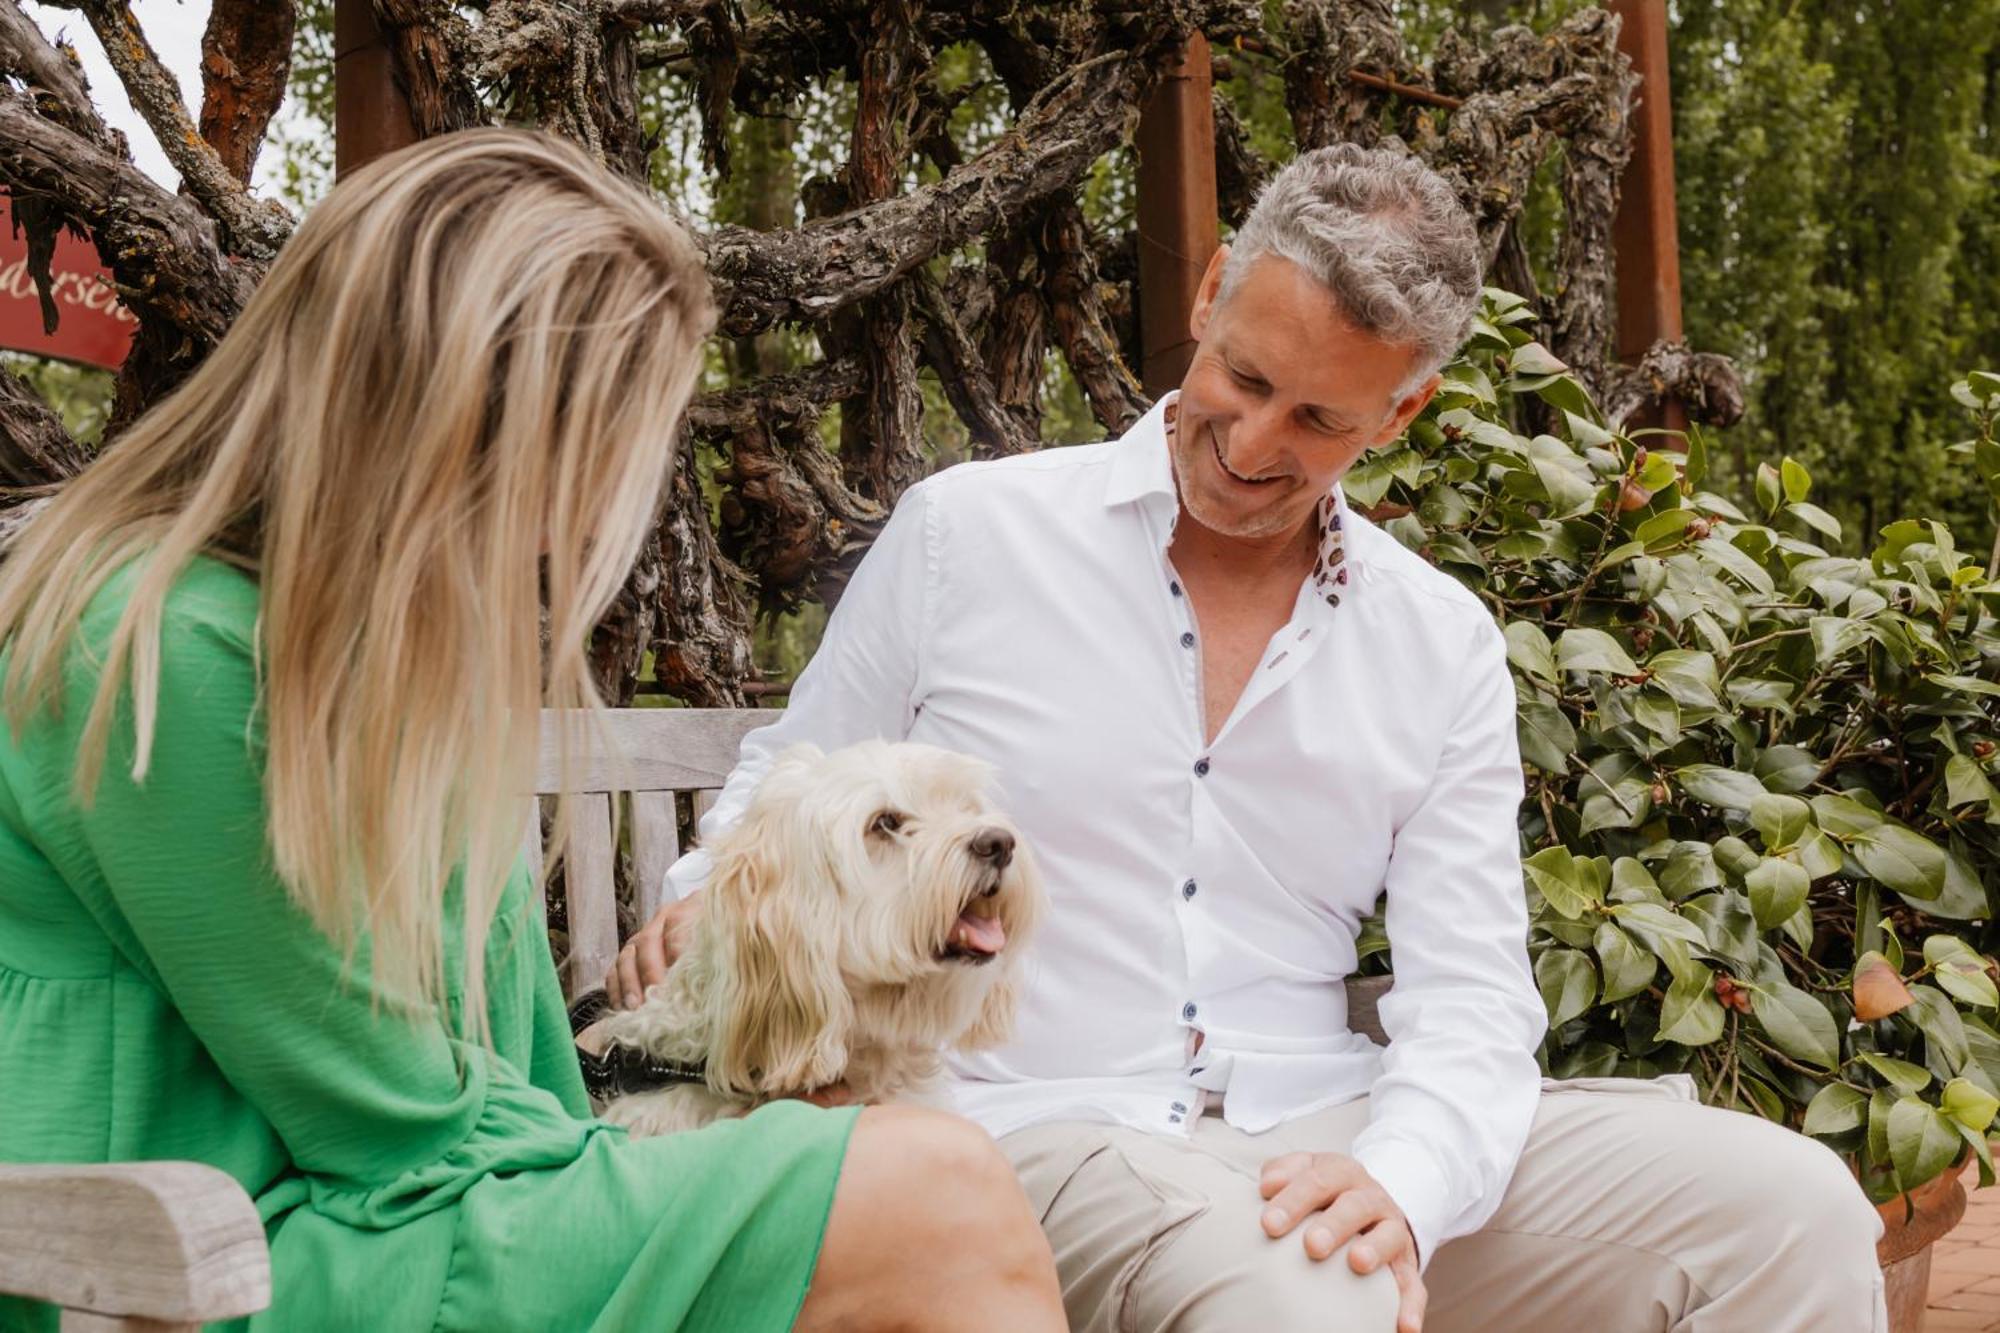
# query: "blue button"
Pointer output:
{"type": "Point", "coordinates": [1174, 587]}
{"type": "Point", "coordinates": [1201, 768]}
{"type": "Point", "coordinates": [1187, 889]}
{"type": "Point", "coordinates": [1187, 640]}
{"type": "Point", "coordinates": [1187, 1012]}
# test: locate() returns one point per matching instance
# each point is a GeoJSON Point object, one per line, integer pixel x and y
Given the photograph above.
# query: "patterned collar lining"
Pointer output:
{"type": "Point", "coordinates": [1329, 574]}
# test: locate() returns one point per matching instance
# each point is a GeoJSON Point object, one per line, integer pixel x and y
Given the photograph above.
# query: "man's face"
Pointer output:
{"type": "Point", "coordinates": [1283, 395]}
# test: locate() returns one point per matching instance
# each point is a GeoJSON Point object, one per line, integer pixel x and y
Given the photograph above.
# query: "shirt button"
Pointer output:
{"type": "Point", "coordinates": [1187, 1012]}
{"type": "Point", "coordinates": [1174, 587]}
{"type": "Point", "coordinates": [1187, 889]}
{"type": "Point", "coordinates": [1201, 768]}
{"type": "Point", "coordinates": [1187, 640]}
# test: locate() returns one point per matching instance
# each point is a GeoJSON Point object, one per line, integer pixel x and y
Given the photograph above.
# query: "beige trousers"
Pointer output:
{"type": "Point", "coordinates": [1634, 1209]}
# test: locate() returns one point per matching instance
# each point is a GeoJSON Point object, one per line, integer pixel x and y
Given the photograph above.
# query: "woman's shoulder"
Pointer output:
{"type": "Point", "coordinates": [210, 602]}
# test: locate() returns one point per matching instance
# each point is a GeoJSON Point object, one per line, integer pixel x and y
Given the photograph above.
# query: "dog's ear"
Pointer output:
{"type": "Point", "coordinates": [779, 1010]}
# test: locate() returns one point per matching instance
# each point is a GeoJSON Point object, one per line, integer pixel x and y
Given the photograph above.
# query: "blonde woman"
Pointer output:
{"type": "Point", "coordinates": [270, 678]}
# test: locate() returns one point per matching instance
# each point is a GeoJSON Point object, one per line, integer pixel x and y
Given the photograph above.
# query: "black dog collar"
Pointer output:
{"type": "Point", "coordinates": [623, 1070]}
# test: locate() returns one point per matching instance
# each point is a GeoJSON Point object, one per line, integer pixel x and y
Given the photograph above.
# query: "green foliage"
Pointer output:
{"type": "Point", "coordinates": [1752, 759]}
{"type": "Point", "coordinates": [1839, 190]}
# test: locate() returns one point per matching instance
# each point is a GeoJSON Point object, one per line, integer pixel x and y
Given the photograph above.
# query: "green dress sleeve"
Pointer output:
{"type": "Point", "coordinates": [178, 870]}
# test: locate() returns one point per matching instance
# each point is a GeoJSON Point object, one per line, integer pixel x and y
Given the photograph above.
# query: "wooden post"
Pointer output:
{"type": "Point", "coordinates": [1644, 233]}
{"type": "Point", "coordinates": [371, 116]}
{"type": "Point", "coordinates": [1177, 212]}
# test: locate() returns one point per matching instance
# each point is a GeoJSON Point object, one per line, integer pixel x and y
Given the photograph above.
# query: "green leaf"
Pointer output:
{"type": "Point", "coordinates": [1797, 481]}
{"type": "Point", "coordinates": [1663, 531]}
{"type": "Point", "coordinates": [1631, 882]}
{"type": "Point", "coordinates": [1534, 359]}
{"type": "Point", "coordinates": [1528, 649]}
{"type": "Point", "coordinates": [1659, 714]}
{"type": "Point", "coordinates": [1835, 1109]}
{"type": "Point", "coordinates": [1779, 820]}
{"type": "Point", "coordinates": [1798, 928]}
{"type": "Point", "coordinates": [1786, 768]}
{"type": "Point", "coordinates": [1901, 1075]}
{"type": "Point", "coordinates": [1923, 1142]}
{"type": "Point", "coordinates": [1820, 855]}
{"type": "Point", "coordinates": [1966, 783]}
{"type": "Point", "coordinates": [1554, 873]}
{"type": "Point", "coordinates": [1815, 518]}
{"type": "Point", "coordinates": [1688, 675]}
{"type": "Point", "coordinates": [1834, 635]}
{"type": "Point", "coordinates": [1691, 1015]}
{"type": "Point", "coordinates": [1969, 1104]}
{"type": "Point", "coordinates": [1547, 739]}
{"type": "Point", "coordinates": [1728, 926]}
{"type": "Point", "coordinates": [1777, 889]}
{"type": "Point", "coordinates": [1843, 816]}
{"type": "Point", "coordinates": [1797, 1024]}
{"type": "Point", "coordinates": [1568, 983]}
{"type": "Point", "coordinates": [1593, 650]}
{"type": "Point", "coordinates": [1628, 969]}
{"type": "Point", "coordinates": [1770, 489]}
{"type": "Point", "coordinates": [1733, 559]}
{"type": "Point", "coordinates": [1942, 1027]}
{"type": "Point", "coordinates": [1961, 972]}
{"type": "Point", "coordinates": [1690, 868]}
{"type": "Point", "coordinates": [1735, 856]}
{"type": "Point", "coordinates": [1656, 925]}
{"type": "Point", "coordinates": [1901, 858]}
{"type": "Point", "coordinates": [1723, 787]}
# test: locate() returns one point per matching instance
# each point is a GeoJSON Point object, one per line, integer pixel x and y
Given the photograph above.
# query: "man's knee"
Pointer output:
{"type": "Point", "coordinates": [1273, 1284]}
{"type": "Point", "coordinates": [1787, 1189]}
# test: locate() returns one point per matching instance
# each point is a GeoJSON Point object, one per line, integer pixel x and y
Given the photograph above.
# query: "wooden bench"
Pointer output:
{"type": "Point", "coordinates": [161, 1247]}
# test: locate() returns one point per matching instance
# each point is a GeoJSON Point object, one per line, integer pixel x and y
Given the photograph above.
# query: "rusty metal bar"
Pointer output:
{"type": "Point", "coordinates": [371, 115]}
{"type": "Point", "coordinates": [1177, 212]}
{"type": "Point", "coordinates": [1644, 233]}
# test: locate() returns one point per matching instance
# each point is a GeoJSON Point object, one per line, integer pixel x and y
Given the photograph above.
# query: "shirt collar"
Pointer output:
{"type": "Point", "coordinates": [1143, 469]}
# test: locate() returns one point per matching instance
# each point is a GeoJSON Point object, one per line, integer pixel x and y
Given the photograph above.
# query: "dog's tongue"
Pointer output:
{"type": "Point", "coordinates": [980, 934]}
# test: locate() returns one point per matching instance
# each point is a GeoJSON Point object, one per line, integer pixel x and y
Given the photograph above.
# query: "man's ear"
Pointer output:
{"type": "Point", "coordinates": [1205, 295]}
{"type": "Point", "coordinates": [1407, 408]}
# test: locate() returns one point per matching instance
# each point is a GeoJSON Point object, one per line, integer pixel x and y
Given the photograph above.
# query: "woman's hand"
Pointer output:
{"type": "Point", "coordinates": [653, 948]}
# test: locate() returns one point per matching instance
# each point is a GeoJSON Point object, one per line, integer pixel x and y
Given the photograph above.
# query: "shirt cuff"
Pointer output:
{"type": "Point", "coordinates": [1418, 1185]}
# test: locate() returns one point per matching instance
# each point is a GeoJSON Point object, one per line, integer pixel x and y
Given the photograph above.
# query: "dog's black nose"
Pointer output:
{"type": "Point", "coordinates": [994, 845]}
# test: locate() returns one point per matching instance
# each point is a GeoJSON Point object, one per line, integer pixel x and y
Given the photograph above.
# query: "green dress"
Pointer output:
{"type": "Point", "coordinates": [161, 997]}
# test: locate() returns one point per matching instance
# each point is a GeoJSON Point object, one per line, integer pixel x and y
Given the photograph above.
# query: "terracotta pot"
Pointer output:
{"type": "Point", "coordinates": [1905, 1248]}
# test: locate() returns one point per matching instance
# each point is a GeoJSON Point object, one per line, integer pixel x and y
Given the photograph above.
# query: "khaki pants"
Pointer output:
{"type": "Point", "coordinates": [1633, 1209]}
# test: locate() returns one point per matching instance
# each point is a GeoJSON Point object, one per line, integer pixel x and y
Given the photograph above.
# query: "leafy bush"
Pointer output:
{"type": "Point", "coordinates": [1761, 836]}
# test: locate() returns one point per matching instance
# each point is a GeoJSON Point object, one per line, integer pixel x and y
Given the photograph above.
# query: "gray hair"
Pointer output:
{"type": "Point", "coordinates": [1383, 234]}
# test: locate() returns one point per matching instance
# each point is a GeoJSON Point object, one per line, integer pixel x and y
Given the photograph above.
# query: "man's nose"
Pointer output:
{"type": "Point", "coordinates": [1254, 445]}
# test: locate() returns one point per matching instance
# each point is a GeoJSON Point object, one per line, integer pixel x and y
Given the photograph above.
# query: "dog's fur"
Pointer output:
{"type": "Point", "coordinates": [822, 954]}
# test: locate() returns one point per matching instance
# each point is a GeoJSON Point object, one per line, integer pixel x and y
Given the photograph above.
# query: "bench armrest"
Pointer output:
{"type": "Point", "coordinates": [176, 1242]}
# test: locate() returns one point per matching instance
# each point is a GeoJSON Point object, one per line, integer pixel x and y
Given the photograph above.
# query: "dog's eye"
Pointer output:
{"type": "Point", "coordinates": [886, 823]}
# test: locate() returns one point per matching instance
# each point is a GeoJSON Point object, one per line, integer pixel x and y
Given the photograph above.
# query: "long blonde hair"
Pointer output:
{"type": "Point", "coordinates": [449, 409]}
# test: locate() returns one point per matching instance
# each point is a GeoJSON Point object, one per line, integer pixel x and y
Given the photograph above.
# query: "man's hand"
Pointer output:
{"type": "Point", "coordinates": [1338, 1200]}
{"type": "Point", "coordinates": [653, 948]}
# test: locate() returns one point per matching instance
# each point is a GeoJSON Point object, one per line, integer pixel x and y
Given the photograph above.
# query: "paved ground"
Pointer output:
{"type": "Point", "coordinates": [1965, 1270]}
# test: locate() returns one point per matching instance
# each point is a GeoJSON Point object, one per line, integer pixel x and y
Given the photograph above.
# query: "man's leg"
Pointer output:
{"type": "Point", "coordinates": [1154, 1234]}
{"type": "Point", "coordinates": [1636, 1211]}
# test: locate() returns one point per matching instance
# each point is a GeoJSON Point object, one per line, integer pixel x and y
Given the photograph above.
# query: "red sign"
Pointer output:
{"type": "Point", "coordinates": [92, 327]}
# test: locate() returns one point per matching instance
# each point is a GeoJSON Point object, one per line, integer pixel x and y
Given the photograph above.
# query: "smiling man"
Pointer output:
{"type": "Point", "coordinates": [1228, 713]}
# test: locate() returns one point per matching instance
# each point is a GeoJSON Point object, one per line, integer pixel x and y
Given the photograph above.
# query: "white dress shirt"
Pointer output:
{"type": "Point", "coordinates": [1025, 611]}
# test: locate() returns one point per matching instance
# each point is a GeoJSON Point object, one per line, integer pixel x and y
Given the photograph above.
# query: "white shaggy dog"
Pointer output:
{"type": "Point", "coordinates": [866, 914]}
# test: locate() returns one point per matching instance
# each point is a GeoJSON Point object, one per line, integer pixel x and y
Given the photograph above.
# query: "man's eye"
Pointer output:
{"type": "Point", "coordinates": [886, 823]}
